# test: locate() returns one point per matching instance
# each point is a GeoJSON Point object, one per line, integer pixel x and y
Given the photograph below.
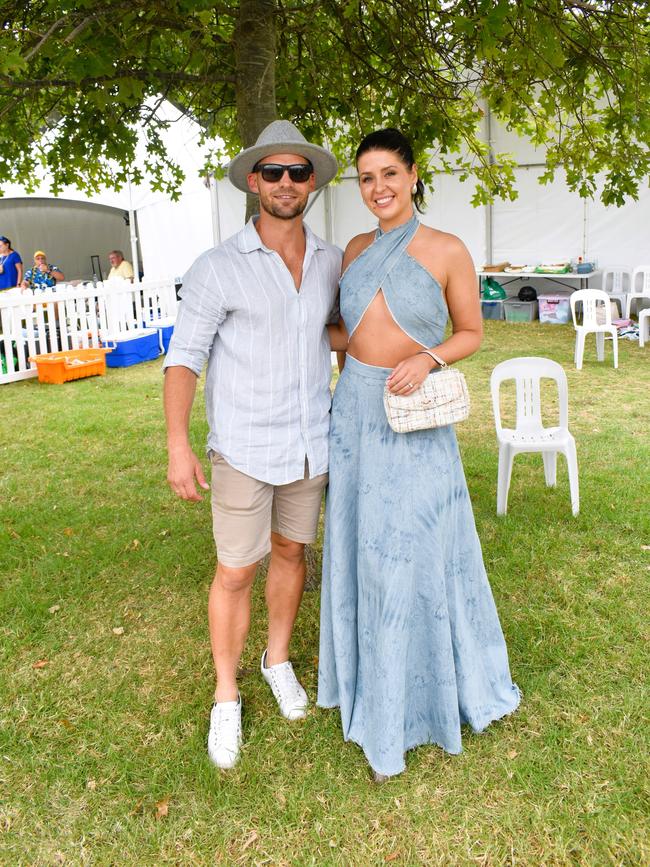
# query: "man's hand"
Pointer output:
{"type": "Point", "coordinates": [184, 469]}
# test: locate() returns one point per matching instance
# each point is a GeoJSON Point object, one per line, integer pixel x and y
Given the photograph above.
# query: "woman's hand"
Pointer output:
{"type": "Point", "coordinates": [409, 374]}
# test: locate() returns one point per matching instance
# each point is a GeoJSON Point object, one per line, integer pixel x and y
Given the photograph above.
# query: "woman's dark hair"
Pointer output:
{"type": "Point", "coordinates": [6, 240]}
{"type": "Point", "coordinates": [393, 140]}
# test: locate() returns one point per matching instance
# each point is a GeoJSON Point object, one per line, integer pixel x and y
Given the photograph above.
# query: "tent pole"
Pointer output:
{"type": "Point", "coordinates": [134, 237]}
{"type": "Point", "coordinates": [134, 246]}
{"type": "Point", "coordinates": [329, 224]}
{"type": "Point", "coordinates": [488, 208]}
{"type": "Point", "coordinates": [214, 210]}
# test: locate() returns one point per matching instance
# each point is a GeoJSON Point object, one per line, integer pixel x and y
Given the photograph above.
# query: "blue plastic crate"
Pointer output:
{"type": "Point", "coordinates": [492, 310]}
{"type": "Point", "coordinates": [134, 350]}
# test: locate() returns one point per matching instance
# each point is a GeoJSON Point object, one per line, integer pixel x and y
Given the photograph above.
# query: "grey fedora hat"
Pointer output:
{"type": "Point", "coordinates": [282, 137]}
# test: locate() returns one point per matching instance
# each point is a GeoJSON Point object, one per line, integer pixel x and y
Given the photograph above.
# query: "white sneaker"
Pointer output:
{"type": "Point", "coordinates": [224, 736]}
{"type": "Point", "coordinates": [289, 694]}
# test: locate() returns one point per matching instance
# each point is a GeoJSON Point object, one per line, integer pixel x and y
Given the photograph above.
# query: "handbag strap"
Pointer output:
{"type": "Point", "coordinates": [439, 361]}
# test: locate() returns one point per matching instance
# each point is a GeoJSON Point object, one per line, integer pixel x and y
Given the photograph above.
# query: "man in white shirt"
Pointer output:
{"type": "Point", "coordinates": [119, 266]}
{"type": "Point", "coordinates": [256, 308]}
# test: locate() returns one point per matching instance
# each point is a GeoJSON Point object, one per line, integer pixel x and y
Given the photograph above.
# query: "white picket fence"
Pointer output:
{"type": "Point", "coordinates": [78, 317]}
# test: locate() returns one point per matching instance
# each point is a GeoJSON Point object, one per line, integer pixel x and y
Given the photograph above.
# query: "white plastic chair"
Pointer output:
{"type": "Point", "coordinates": [596, 319]}
{"type": "Point", "coordinates": [617, 282]}
{"type": "Point", "coordinates": [640, 287]}
{"type": "Point", "coordinates": [644, 326]}
{"type": "Point", "coordinates": [529, 434]}
{"type": "Point", "coordinates": [159, 306]}
{"type": "Point", "coordinates": [124, 317]}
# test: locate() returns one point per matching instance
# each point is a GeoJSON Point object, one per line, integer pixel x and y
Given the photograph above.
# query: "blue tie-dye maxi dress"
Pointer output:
{"type": "Point", "coordinates": [410, 641]}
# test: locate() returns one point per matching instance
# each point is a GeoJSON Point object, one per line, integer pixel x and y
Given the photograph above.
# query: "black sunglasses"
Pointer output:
{"type": "Point", "coordinates": [299, 173]}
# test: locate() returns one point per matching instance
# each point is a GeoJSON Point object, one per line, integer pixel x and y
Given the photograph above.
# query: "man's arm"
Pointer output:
{"type": "Point", "coordinates": [184, 468]}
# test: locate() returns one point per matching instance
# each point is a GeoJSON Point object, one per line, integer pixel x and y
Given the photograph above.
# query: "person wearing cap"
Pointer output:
{"type": "Point", "coordinates": [11, 265]}
{"type": "Point", "coordinates": [41, 275]}
{"type": "Point", "coordinates": [256, 309]}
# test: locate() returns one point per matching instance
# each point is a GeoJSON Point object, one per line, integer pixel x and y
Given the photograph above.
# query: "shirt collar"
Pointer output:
{"type": "Point", "coordinates": [249, 239]}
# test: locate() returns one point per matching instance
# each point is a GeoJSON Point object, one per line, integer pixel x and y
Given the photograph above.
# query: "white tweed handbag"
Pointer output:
{"type": "Point", "coordinates": [442, 399]}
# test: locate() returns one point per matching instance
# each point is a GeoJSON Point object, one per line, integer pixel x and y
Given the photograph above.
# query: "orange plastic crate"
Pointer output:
{"type": "Point", "coordinates": [60, 367]}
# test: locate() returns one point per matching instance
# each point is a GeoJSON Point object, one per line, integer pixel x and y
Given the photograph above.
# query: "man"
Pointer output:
{"type": "Point", "coordinates": [42, 275]}
{"type": "Point", "coordinates": [256, 308]}
{"type": "Point", "coordinates": [119, 266]}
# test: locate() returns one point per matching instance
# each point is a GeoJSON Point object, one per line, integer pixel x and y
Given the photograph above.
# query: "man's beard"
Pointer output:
{"type": "Point", "coordinates": [283, 212]}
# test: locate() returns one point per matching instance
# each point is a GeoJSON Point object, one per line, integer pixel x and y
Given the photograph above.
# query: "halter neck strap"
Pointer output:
{"type": "Point", "coordinates": [377, 260]}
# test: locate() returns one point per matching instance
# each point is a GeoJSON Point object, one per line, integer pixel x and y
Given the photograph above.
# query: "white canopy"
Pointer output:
{"type": "Point", "coordinates": [73, 226]}
{"type": "Point", "coordinates": [545, 224]}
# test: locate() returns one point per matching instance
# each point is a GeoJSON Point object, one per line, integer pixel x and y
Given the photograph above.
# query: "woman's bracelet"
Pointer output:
{"type": "Point", "coordinates": [439, 361]}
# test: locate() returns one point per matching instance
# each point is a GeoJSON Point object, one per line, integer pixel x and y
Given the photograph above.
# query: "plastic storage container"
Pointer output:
{"type": "Point", "coordinates": [134, 350]}
{"type": "Point", "coordinates": [520, 311]}
{"type": "Point", "coordinates": [492, 309]}
{"type": "Point", "coordinates": [554, 309]}
{"type": "Point", "coordinates": [60, 367]}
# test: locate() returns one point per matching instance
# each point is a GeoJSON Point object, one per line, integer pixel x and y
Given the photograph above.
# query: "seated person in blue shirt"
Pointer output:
{"type": "Point", "coordinates": [11, 265]}
{"type": "Point", "coordinates": [42, 276]}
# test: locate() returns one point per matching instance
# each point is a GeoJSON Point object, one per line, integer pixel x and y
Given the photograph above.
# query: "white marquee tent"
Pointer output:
{"type": "Point", "coordinates": [545, 224]}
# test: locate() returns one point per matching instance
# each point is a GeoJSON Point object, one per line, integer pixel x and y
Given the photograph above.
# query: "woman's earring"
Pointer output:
{"type": "Point", "coordinates": [414, 189]}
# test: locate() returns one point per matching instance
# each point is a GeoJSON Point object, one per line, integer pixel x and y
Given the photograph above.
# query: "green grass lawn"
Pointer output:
{"type": "Point", "coordinates": [106, 676]}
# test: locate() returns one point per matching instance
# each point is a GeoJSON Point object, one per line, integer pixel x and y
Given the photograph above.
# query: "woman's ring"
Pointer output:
{"type": "Point", "coordinates": [410, 385]}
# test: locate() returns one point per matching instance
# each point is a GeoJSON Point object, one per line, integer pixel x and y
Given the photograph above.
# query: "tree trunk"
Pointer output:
{"type": "Point", "coordinates": [255, 66]}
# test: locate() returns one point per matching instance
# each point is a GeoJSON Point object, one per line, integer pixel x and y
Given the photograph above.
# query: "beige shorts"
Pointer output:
{"type": "Point", "coordinates": [246, 511]}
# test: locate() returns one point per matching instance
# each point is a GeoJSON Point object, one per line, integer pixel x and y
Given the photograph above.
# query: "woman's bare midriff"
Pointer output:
{"type": "Point", "coordinates": [378, 339]}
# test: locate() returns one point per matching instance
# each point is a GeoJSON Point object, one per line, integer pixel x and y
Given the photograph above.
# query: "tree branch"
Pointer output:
{"type": "Point", "coordinates": [44, 38]}
{"type": "Point", "coordinates": [141, 75]}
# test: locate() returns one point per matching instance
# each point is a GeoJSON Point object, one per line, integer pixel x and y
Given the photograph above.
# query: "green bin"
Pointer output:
{"type": "Point", "coordinates": [520, 311]}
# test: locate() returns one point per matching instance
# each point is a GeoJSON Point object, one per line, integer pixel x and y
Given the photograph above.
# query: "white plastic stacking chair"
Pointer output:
{"type": "Point", "coordinates": [529, 433]}
{"type": "Point", "coordinates": [640, 287]}
{"type": "Point", "coordinates": [617, 282]}
{"type": "Point", "coordinates": [159, 305]}
{"type": "Point", "coordinates": [644, 326]}
{"type": "Point", "coordinates": [124, 314]}
{"type": "Point", "coordinates": [596, 319]}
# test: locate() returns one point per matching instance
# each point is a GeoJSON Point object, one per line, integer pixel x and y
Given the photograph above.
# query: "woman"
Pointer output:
{"type": "Point", "coordinates": [411, 645]}
{"type": "Point", "coordinates": [11, 265]}
{"type": "Point", "coordinates": [42, 276]}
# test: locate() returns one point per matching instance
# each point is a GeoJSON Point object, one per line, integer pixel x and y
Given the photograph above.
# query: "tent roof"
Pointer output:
{"type": "Point", "coordinates": [182, 142]}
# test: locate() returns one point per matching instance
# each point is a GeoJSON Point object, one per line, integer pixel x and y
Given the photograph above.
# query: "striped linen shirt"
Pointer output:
{"type": "Point", "coordinates": [269, 364]}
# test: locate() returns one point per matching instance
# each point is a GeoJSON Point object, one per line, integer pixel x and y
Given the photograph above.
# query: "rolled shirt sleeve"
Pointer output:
{"type": "Point", "coordinates": [267, 394]}
{"type": "Point", "coordinates": [202, 310]}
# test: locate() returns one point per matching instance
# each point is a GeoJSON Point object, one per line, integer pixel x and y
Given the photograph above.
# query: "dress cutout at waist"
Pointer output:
{"type": "Point", "coordinates": [413, 297]}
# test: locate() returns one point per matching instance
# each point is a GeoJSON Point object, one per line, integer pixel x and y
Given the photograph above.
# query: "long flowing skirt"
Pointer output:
{"type": "Point", "coordinates": [410, 641]}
